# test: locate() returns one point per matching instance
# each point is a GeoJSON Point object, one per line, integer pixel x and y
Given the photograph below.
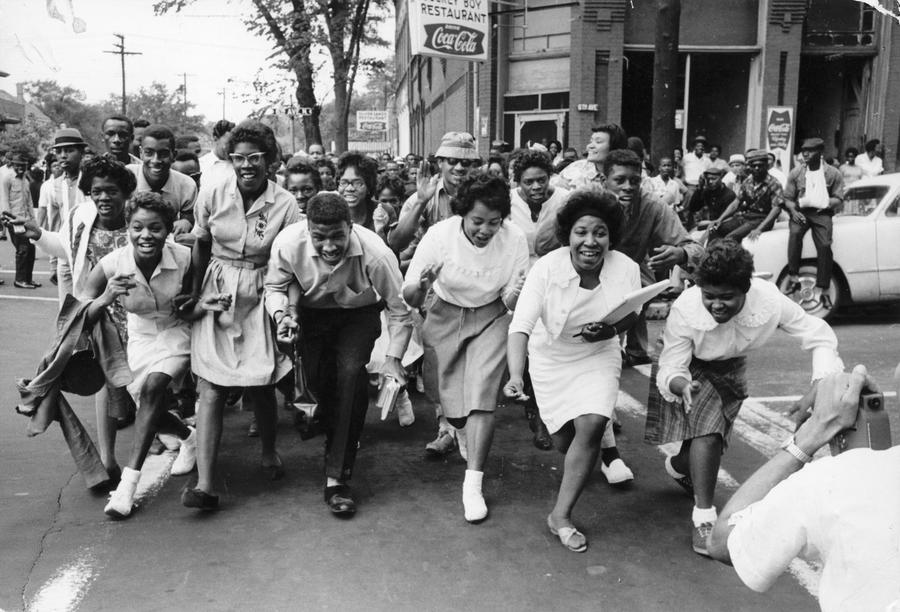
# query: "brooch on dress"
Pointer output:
{"type": "Point", "coordinates": [261, 223]}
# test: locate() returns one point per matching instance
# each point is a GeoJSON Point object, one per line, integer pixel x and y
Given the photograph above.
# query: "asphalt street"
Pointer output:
{"type": "Point", "coordinates": [275, 546]}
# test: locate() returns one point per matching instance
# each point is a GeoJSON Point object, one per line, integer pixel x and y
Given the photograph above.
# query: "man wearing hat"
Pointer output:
{"type": "Point", "coordinates": [813, 192]}
{"type": "Point", "coordinates": [456, 156]}
{"type": "Point", "coordinates": [16, 207]}
{"type": "Point", "coordinates": [758, 203]}
{"type": "Point", "coordinates": [737, 172]}
{"type": "Point", "coordinates": [695, 162]}
{"type": "Point", "coordinates": [63, 194]}
{"type": "Point", "coordinates": [710, 199]}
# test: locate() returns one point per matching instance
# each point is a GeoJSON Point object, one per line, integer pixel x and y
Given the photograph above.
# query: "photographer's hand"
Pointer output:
{"type": "Point", "coordinates": [835, 407]}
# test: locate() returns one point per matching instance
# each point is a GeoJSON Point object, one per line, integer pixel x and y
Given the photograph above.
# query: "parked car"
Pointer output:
{"type": "Point", "coordinates": [866, 250]}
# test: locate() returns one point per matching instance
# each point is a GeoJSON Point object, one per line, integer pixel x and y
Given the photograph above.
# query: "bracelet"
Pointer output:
{"type": "Point", "coordinates": [795, 451]}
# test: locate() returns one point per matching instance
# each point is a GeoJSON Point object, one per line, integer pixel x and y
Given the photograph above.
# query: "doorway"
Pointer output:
{"type": "Point", "coordinates": [539, 127]}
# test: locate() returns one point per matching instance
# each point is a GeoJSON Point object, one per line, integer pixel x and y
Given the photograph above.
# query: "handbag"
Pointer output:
{"type": "Point", "coordinates": [83, 374]}
{"type": "Point", "coordinates": [307, 414]}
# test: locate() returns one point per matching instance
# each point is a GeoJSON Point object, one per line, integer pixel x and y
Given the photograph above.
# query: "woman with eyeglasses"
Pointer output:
{"type": "Point", "coordinates": [233, 345]}
{"type": "Point", "coordinates": [357, 178]}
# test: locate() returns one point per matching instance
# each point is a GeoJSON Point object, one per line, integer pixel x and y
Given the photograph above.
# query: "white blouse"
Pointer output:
{"type": "Point", "coordinates": [470, 276]}
{"type": "Point", "coordinates": [551, 290]}
{"type": "Point", "coordinates": [691, 331]}
{"type": "Point", "coordinates": [521, 214]}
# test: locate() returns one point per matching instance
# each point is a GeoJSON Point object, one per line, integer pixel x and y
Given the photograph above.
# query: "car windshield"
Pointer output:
{"type": "Point", "coordinates": [861, 201]}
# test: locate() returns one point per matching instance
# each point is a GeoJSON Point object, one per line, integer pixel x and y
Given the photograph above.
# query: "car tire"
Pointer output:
{"type": "Point", "coordinates": [808, 296]}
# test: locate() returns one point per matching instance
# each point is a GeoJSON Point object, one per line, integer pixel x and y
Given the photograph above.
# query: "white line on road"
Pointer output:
{"type": "Point", "coordinates": [29, 297]}
{"type": "Point", "coordinates": [69, 584]}
{"type": "Point", "coordinates": [775, 399]}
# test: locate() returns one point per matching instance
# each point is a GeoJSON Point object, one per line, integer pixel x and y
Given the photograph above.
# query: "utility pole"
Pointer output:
{"type": "Point", "coordinates": [121, 52]}
{"type": "Point", "coordinates": [184, 76]}
{"type": "Point", "coordinates": [222, 92]}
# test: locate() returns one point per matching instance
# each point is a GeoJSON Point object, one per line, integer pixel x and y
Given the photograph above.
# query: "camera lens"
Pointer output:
{"type": "Point", "coordinates": [875, 403]}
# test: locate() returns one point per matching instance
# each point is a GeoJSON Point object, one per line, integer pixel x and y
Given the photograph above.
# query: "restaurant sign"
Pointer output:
{"type": "Point", "coordinates": [454, 29]}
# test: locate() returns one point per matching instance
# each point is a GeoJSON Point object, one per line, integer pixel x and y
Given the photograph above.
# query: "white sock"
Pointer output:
{"type": "Point", "coordinates": [130, 476]}
{"type": "Point", "coordinates": [473, 501]}
{"type": "Point", "coordinates": [704, 515]}
{"type": "Point", "coordinates": [671, 470]}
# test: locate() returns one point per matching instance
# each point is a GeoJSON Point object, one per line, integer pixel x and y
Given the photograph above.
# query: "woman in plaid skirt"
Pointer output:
{"type": "Point", "coordinates": [697, 388]}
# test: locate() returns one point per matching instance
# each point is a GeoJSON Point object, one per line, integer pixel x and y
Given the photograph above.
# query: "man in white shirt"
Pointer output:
{"type": "Point", "coordinates": [155, 174]}
{"type": "Point", "coordinates": [849, 169]}
{"type": "Point", "coordinates": [215, 165]}
{"type": "Point", "coordinates": [812, 194]}
{"type": "Point", "coordinates": [60, 199]}
{"type": "Point", "coordinates": [665, 186]}
{"type": "Point", "coordinates": [871, 163]}
{"type": "Point", "coordinates": [737, 172]}
{"type": "Point", "coordinates": [843, 511]}
{"type": "Point", "coordinates": [695, 162]}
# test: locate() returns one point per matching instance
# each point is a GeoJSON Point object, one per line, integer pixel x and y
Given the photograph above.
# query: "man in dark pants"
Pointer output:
{"type": "Point", "coordinates": [15, 201]}
{"type": "Point", "coordinates": [758, 204]}
{"type": "Point", "coordinates": [812, 193]}
{"type": "Point", "coordinates": [346, 275]}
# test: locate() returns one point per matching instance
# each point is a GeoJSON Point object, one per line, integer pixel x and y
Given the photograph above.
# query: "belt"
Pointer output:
{"type": "Point", "coordinates": [240, 263]}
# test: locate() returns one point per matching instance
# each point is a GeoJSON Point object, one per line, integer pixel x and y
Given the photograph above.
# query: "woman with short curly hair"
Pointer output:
{"type": "Point", "coordinates": [700, 382]}
{"type": "Point", "coordinates": [474, 263]}
{"type": "Point", "coordinates": [233, 346]}
{"type": "Point", "coordinates": [574, 361]}
{"type": "Point", "coordinates": [357, 179]}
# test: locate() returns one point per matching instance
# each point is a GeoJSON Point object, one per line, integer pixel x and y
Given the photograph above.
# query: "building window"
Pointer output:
{"type": "Point", "coordinates": [522, 103]}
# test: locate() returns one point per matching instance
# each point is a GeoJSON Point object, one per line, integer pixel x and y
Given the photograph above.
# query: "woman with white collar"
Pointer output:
{"type": "Point", "coordinates": [574, 360]}
{"type": "Point", "coordinates": [700, 382]}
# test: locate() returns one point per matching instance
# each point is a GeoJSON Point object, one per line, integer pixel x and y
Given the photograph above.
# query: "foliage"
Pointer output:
{"type": "Point", "coordinates": [33, 136]}
{"type": "Point", "coordinates": [157, 104]}
{"type": "Point", "coordinates": [66, 105]}
{"type": "Point", "coordinates": [300, 28]}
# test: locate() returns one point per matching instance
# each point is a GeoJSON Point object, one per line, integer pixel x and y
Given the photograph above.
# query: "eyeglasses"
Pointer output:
{"type": "Point", "coordinates": [465, 163]}
{"type": "Point", "coordinates": [255, 159]}
{"type": "Point", "coordinates": [355, 183]}
{"type": "Point", "coordinates": [160, 154]}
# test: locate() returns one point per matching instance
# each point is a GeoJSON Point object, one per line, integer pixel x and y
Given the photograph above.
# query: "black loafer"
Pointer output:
{"type": "Point", "coordinates": [195, 498]}
{"type": "Point", "coordinates": [542, 439]}
{"type": "Point", "coordinates": [339, 501]}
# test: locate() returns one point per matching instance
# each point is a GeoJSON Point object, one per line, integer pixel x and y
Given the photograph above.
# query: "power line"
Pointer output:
{"type": "Point", "coordinates": [121, 52]}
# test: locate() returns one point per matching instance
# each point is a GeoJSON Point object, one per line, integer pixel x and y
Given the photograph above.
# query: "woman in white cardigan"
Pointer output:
{"type": "Point", "coordinates": [574, 360]}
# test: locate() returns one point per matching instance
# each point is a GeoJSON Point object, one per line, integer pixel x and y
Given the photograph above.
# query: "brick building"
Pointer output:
{"type": "Point", "coordinates": [559, 66]}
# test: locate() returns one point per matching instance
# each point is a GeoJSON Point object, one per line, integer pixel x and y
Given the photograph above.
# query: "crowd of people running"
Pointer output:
{"type": "Point", "coordinates": [479, 280]}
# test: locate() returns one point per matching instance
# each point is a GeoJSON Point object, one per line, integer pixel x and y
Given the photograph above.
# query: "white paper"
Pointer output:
{"type": "Point", "coordinates": [634, 301]}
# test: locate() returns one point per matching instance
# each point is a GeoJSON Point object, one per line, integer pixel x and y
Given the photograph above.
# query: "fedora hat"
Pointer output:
{"type": "Point", "coordinates": [67, 137]}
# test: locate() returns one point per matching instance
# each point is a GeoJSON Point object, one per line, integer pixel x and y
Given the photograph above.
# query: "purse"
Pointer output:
{"type": "Point", "coordinates": [307, 414]}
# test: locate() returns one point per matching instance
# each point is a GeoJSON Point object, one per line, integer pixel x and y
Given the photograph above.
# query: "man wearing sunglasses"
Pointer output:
{"type": "Point", "coordinates": [430, 203]}
{"type": "Point", "coordinates": [155, 174]}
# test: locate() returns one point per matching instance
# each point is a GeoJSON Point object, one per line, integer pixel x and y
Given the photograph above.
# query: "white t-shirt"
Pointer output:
{"type": "Point", "coordinates": [693, 167]}
{"type": "Point", "coordinates": [843, 511]}
{"type": "Point", "coordinates": [870, 167]}
{"type": "Point", "coordinates": [520, 214]}
{"type": "Point", "coordinates": [470, 276]}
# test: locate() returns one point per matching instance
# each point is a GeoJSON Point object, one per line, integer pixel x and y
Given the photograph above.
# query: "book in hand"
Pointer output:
{"type": "Point", "coordinates": [634, 301]}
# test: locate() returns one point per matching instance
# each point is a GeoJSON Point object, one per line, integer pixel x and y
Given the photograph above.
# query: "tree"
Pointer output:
{"type": "Point", "coordinates": [32, 136]}
{"type": "Point", "coordinates": [297, 27]}
{"type": "Point", "coordinates": [66, 105]}
{"type": "Point", "coordinates": [665, 78]}
{"type": "Point", "coordinates": [157, 104]}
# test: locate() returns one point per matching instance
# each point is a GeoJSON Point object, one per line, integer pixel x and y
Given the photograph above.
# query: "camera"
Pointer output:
{"type": "Point", "coordinates": [871, 430]}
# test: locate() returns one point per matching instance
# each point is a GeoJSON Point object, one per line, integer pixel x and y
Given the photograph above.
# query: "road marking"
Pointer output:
{"type": "Point", "coordinates": [69, 584]}
{"type": "Point", "coordinates": [29, 297]}
{"type": "Point", "coordinates": [34, 273]}
{"type": "Point", "coordinates": [775, 399]}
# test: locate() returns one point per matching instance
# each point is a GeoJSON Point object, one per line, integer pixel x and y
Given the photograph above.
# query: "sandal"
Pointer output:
{"type": "Point", "coordinates": [565, 535]}
{"type": "Point", "coordinates": [339, 501]}
{"type": "Point", "coordinates": [195, 498]}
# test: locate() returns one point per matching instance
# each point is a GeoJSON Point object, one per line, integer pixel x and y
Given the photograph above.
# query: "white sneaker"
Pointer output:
{"type": "Point", "coordinates": [405, 414]}
{"type": "Point", "coordinates": [171, 442]}
{"type": "Point", "coordinates": [617, 472]}
{"type": "Point", "coordinates": [121, 501]}
{"type": "Point", "coordinates": [187, 455]}
{"type": "Point", "coordinates": [474, 506]}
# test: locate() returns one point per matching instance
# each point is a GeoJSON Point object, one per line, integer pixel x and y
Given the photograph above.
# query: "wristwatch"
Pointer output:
{"type": "Point", "coordinates": [795, 451]}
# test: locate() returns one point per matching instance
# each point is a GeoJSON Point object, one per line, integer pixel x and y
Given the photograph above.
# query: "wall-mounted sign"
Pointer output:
{"type": "Point", "coordinates": [592, 107]}
{"type": "Point", "coordinates": [780, 133]}
{"type": "Point", "coordinates": [455, 29]}
{"type": "Point", "coordinates": [679, 118]}
{"type": "Point", "coordinates": [372, 121]}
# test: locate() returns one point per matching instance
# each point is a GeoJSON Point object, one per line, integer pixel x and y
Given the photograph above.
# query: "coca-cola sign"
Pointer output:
{"type": "Point", "coordinates": [454, 39]}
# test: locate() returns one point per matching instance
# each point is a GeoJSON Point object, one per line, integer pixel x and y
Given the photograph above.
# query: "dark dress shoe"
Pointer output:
{"type": "Point", "coordinates": [25, 285]}
{"type": "Point", "coordinates": [195, 498]}
{"type": "Point", "coordinates": [633, 360]}
{"type": "Point", "coordinates": [339, 500]}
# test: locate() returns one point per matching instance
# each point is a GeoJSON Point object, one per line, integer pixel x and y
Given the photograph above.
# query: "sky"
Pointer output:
{"type": "Point", "coordinates": [207, 40]}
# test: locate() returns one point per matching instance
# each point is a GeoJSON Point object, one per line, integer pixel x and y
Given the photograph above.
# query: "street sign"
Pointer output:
{"type": "Point", "coordinates": [590, 107]}
{"type": "Point", "coordinates": [304, 110]}
{"type": "Point", "coordinates": [372, 121]}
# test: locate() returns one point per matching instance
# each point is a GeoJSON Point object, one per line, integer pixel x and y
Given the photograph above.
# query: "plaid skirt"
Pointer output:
{"type": "Point", "coordinates": [723, 388]}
